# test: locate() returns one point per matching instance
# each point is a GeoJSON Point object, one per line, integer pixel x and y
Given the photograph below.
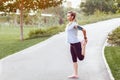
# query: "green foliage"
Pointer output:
{"type": "Point", "coordinates": [4, 18]}
{"type": "Point", "coordinates": [114, 38]}
{"type": "Point", "coordinates": [37, 33]}
{"type": "Point", "coordinates": [44, 32]}
{"type": "Point", "coordinates": [116, 6]}
{"type": "Point", "coordinates": [90, 6]}
{"type": "Point", "coordinates": [112, 55]}
{"type": "Point", "coordinates": [13, 5]}
{"type": "Point", "coordinates": [97, 16]}
{"type": "Point", "coordinates": [58, 12]}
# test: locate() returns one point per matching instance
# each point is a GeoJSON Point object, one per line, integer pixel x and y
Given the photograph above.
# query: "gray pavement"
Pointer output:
{"type": "Point", "coordinates": [51, 59]}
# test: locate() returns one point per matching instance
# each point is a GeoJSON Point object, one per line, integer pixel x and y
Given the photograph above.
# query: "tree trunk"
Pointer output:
{"type": "Point", "coordinates": [21, 22]}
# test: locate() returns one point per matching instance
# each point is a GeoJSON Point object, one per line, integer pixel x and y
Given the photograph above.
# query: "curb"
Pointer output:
{"type": "Point", "coordinates": [106, 64]}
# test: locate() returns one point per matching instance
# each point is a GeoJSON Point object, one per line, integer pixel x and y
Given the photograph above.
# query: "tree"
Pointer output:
{"type": "Point", "coordinates": [58, 11]}
{"type": "Point", "coordinates": [26, 5]}
{"type": "Point", "coordinates": [90, 6]}
{"type": "Point", "coordinates": [116, 6]}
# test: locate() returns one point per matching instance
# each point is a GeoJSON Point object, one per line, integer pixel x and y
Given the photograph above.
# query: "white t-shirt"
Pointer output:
{"type": "Point", "coordinates": [72, 33]}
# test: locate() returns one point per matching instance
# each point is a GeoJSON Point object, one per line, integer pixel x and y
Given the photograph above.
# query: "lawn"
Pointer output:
{"type": "Point", "coordinates": [112, 55]}
{"type": "Point", "coordinates": [10, 42]}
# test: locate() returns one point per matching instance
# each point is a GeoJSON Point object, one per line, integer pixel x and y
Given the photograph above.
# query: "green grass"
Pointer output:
{"type": "Point", "coordinates": [10, 42]}
{"type": "Point", "coordinates": [112, 55]}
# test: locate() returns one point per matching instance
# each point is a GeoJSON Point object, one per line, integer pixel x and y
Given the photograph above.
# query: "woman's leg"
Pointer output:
{"type": "Point", "coordinates": [75, 64]}
{"type": "Point", "coordinates": [78, 50]}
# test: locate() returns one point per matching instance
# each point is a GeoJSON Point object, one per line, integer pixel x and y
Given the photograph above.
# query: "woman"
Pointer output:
{"type": "Point", "coordinates": [75, 45]}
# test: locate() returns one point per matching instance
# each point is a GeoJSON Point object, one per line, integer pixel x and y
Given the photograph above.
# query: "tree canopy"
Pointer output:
{"type": "Point", "coordinates": [12, 5]}
{"type": "Point", "coordinates": [90, 6]}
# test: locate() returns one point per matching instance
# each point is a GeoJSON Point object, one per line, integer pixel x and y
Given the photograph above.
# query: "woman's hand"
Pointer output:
{"type": "Point", "coordinates": [85, 38]}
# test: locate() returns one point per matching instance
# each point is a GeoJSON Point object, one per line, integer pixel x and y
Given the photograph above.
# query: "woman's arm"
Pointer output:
{"type": "Point", "coordinates": [85, 36]}
{"type": "Point", "coordinates": [84, 32]}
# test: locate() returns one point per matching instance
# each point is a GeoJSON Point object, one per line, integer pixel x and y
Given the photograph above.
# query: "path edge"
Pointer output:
{"type": "Point", "coordinates": [105, 61]}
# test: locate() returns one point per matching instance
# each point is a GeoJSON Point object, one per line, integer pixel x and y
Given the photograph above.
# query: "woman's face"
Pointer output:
{"type": "Point", "coordinates": [69, 17]}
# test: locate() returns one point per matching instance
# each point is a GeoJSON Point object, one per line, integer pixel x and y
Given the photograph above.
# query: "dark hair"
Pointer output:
{"type": "Point", "coordinates": [72, 14]}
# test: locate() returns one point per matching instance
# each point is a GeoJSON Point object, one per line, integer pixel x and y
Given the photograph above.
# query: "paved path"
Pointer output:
{"type": "Point", "coordinates": [51, 60]}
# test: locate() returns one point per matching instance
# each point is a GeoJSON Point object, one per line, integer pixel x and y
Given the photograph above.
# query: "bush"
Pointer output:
{"type": "Point", "coordinates": [37, 33]}
{"type": "Point", "coordinates": [44, 32]}
{"type": "Point", "coordinates": [114, 38]}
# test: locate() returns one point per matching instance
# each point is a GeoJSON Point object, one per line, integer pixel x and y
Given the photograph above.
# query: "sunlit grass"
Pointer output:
{"type": "Point", "coordinates": [112, 55]}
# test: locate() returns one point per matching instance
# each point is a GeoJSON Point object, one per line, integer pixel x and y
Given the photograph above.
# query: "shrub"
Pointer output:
{"type": "Point", "coordinates": [36, 33]}
{"type": "Point", "coordinates": [114, 37]}
{"type": "Point", "coordinates": [44, 32]}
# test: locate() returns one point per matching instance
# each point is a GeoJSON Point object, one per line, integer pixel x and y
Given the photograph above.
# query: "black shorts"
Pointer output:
{"type": "Point", "coordinates": [76, 51]}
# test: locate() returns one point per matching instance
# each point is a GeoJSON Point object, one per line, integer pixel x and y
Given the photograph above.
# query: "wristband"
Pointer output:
{"type": "Point", "coordinates": [85, 37]}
